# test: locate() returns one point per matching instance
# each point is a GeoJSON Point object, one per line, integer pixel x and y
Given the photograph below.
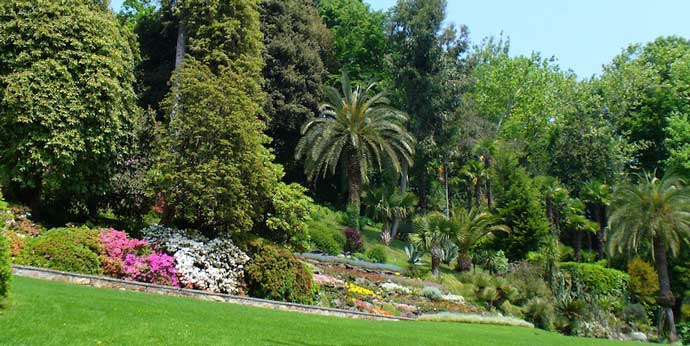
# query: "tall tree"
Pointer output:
{"type": "Point", "coordinates": [653, 212]}
{"type": "Point", "coordinates": [518, 203]}
{"type": "Point", "coordinates": [213, 168]}
{"type": "Point", "coordinates": [297, 44]}
{"type": "Point", "coordinates": [67, 102]}
{"type": "Point", "coordinates": [358, 130]}
{"type": "Point", "coordinates": [359, 35]}
{"type": "Point", "coordinates": [598, 196]}
{"type": "Point", "coordinates": [645, 90]}
{"type": "Point", "coordinates": [424, 55]}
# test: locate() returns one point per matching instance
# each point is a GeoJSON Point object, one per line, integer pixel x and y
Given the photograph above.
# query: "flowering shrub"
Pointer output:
{"type": "Point", "coordinates": [216, 265]}
{"type": "Point", "coordinates": [132, 259]}
{"type": "Point", "coordinates": [329, 281]}
{"type": "Point", "coordinates": [353, 240]}
{"type": "Point", "coordinates": [395, 288]}
{"type": "Point", "coordinates": [354, 289]}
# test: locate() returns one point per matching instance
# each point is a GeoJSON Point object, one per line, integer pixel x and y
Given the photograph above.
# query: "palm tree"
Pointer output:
{"type": "Point", "coordinates": [475, 173]}
{"type": "Point", "coordinates": [598, 196]}
{"type": "Point", "coordinates": [578, 223]}
{"type": "Point", "coordinates": [654, 212]}
{"type": "Point", "coordinates": [357, 130]}
{"type": "Point", "coordinates": [431, 232]}
{"type": "Point", "coordinates": [470, 227]}
{"type": "Point", "coordinates": [388, 205]}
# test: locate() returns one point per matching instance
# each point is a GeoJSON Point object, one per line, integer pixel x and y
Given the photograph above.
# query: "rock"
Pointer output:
{"type": "Point", "coordinates": [638, 336]}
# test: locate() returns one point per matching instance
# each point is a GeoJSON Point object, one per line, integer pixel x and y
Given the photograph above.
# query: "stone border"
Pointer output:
{"type": "Point", "coordinates": [105, 282]}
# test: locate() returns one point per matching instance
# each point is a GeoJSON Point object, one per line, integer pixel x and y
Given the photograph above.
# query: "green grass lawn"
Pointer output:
{"type": "Point", "coordinates": [51, 313]}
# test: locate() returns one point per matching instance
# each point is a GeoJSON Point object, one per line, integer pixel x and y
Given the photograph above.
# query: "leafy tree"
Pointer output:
{"type": "Point", "coordinates": [521, 96]}
{"type": "Point", "coordinates": [358, 131]}
{"type": "Point", "coordinates": [297, 46]}
{"type": "Point", "coordinates": [645, 89]}
{"type": "Point", "coordinates": [359, 38]}
{"type": "Point", "coordinates": [431, 232]}
{"type": "Point", "coordinates": [518, 203]}
{"type": "Point", "coordinates": [425, 63]}
{"type": "Point", "coordinates": [657, 212]}
{"type": "Point", "coordinates": [469, 228]}
{"type": "Point", "coordinates": [213, 168]}
{"type": "Point", "coordinates": [67, 103]}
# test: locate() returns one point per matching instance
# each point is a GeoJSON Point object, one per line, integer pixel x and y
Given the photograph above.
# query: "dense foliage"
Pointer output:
{"type": "Point", "coordinates": [5, 258]}
{"type": "Point", "coordinates": [68, 249]}
{"type": "Point", "coordinates": [276, 274]}
{"type": "Point", "coordinates": [67, 102]}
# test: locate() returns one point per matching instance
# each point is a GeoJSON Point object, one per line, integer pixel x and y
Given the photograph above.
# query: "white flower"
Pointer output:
{"type": "Point", "coordinates": [215, 265]}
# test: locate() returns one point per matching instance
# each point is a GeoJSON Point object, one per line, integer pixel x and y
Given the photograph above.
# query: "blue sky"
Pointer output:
{"type": "Point", "coordinates": [582, 34]}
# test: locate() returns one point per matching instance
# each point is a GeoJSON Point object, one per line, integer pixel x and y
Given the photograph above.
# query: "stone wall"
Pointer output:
{"type": "Point", "coordinates": [105, 282]}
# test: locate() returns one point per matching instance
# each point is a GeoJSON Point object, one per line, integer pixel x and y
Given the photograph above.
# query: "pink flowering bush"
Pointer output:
{"type": "Point", "coordinates": [133, 259]}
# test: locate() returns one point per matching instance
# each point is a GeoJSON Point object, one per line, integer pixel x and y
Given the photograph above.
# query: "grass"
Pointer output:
{"type": "Point", "coordinates": [50, 313]}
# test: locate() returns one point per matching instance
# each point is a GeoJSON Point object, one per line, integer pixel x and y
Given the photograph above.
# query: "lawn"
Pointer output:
{"type": "Point", "coordinates": [51, 313]}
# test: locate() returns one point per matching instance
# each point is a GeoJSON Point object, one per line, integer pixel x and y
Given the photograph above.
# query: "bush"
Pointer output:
{"type": "Point", "coordinates": [684, 332]}
{"type": "Point", "coordinates": [274, 273]}
{"type": "Point", "coordinates": [377, 253]}
{"type": "Point", "coordinates": [644, 283]}
{"type": "Point", "coordinates": [211, 265]}
{"type": "Point", "coordinates": [529, 281]}
{"type": "Point", "coordinates": [67, 249]}
{"type": "Point", "coordinates": [353, 240]}
{"type": "Point", "coordinates": [5, 266]}
{"type": "Point", "coordinates": [597, 280]}
{"type": "Point", "coordinates": [134, 260]}
{"type": "Point", "coordinates": [634, 314]}
{"type": "Point", "coordinates": [432, 293]}
{"type": "Point", "coordinates": [327, 240]}
{"type": "Point", "coordinates": [287, 221]}
{"type": "Point", "coordinates": [540, 312]}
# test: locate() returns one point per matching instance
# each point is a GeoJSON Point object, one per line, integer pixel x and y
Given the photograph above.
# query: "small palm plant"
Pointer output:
{"type": "Point", "coordinates": [431, 232]}
{"type": "Point", "coordinates": [388, 205]}
{"type": "Point", "coordinates": [652, 212]}
{"type": "Point", "coordinates": [469, 227]}
{"type": "Point", "coordinates": [357, 130]}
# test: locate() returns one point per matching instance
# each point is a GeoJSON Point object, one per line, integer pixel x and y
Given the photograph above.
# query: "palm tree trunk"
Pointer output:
{"type": "Point", "coordinates": [464, 261]}
{"type": "Point", "coordinates": [666, 299]}
{"type": "Point", "coordinates": [478, 194]}
{"type": "Point", "coordinates": [578, 246]}
{"type": "Point", "coordinates": [435, 264]}
{"type": "Point", "coordinates": [403, 188]}
{"type": "Point", "coordinates": [354, 181]}
{"type": "Point", "coordinates": [600, 212]}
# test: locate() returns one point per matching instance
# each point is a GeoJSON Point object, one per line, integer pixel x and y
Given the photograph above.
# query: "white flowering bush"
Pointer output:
{"type": "Point", "coordinates": [392, 287]}
{"type": "Point", "coordinates": [454, 298]}
{"type": "Point", "coordinates": [212, 265]}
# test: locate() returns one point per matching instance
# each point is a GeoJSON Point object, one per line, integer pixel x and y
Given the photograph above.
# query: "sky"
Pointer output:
{"type": "Point", "coordinates": [582, 34]}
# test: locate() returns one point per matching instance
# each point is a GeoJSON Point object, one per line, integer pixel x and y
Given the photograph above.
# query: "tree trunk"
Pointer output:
{"type": "Point", "coordinates": [403, 188]}
{"type": "Point", "coordinates": [489, 196]}
{"type": "Point", "coordinates": [464, 261]}
{"type": "Point", "coordinates": [435, 264]}
{"type": "Point", "coordinates": [600, 212]}
{"type": "Point", "coordinates": [478, 193]}
{"type": "Point", "coordinates": [445, 182]}
{"type": "Point", "coordinates": [578, 246]}
{"type": "Point", "coordinates": [354, 181]}
{"type": "Point", "coordinates": [180, 50]}
{"type": "Point", "coordinates": [666, 299]}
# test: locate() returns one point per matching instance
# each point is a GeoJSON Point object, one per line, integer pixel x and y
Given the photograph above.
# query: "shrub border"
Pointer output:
{"type": "Point", "coordinates": [105, 282]}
